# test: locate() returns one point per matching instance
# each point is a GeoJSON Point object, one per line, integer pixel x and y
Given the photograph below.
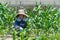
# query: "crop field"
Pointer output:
{"type": "Point", "coordinates": [43, 23]}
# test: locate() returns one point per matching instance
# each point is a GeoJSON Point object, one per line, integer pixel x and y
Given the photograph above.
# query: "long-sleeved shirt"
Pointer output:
{"type": "Point", "coordinates": [21, 24]}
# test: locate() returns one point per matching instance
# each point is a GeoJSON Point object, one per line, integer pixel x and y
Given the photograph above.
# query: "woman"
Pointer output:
{"type": "Point", "coordinates": [20, 22]}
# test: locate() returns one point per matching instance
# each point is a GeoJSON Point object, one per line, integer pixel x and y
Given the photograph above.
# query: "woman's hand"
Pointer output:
{"type": "Point", "coordinates": [21, 28]}
{"type": "Point", "coordinates": [17, 27]}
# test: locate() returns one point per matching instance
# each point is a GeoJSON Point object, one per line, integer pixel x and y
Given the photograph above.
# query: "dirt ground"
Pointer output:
{"type": "Point", "coordinates": [7, 39]}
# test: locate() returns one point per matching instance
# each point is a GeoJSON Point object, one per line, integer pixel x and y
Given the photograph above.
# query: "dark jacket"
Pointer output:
{"type": "Point", "coordinates": [21, 23]}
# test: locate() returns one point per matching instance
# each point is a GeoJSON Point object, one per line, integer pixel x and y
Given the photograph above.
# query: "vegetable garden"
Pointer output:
{"type": "Point", "coordinates": [43, 23]}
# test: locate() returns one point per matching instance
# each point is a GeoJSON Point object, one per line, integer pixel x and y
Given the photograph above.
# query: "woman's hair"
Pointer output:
{"type": "Point", "coordinates": [18, 16]}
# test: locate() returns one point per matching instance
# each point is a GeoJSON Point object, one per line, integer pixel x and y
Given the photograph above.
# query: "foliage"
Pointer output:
{"type": "Point", "coordinates": [43, 23]}
{"type": "Point", "coordinates": [6, 17]}
{"type": "Point", "coordinates": [44, 18]}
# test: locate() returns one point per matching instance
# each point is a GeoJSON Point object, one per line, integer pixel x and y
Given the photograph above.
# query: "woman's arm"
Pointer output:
{"type": "Point", "coordinates": [16, 24]}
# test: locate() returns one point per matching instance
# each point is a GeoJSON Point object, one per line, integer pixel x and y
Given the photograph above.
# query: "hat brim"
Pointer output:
{"type": "Point", "coordinates": [22, 14]}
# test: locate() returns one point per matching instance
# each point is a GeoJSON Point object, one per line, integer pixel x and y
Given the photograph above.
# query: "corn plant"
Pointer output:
{"type": "Point", "coordinates": [43, 23]}
{"type": "Point", "coordinates": [6, 20]}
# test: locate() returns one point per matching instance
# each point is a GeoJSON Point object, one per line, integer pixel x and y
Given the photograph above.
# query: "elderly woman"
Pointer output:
{"type": "Point", "coordinates": [20, 22]}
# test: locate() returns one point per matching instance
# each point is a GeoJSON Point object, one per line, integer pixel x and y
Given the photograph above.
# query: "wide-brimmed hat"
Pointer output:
{"type": "Point", "coordinates": [21, 12]}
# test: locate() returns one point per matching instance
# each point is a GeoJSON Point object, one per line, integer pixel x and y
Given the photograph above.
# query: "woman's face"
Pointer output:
{"type": "Point", "coordinates": [21, 16]}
